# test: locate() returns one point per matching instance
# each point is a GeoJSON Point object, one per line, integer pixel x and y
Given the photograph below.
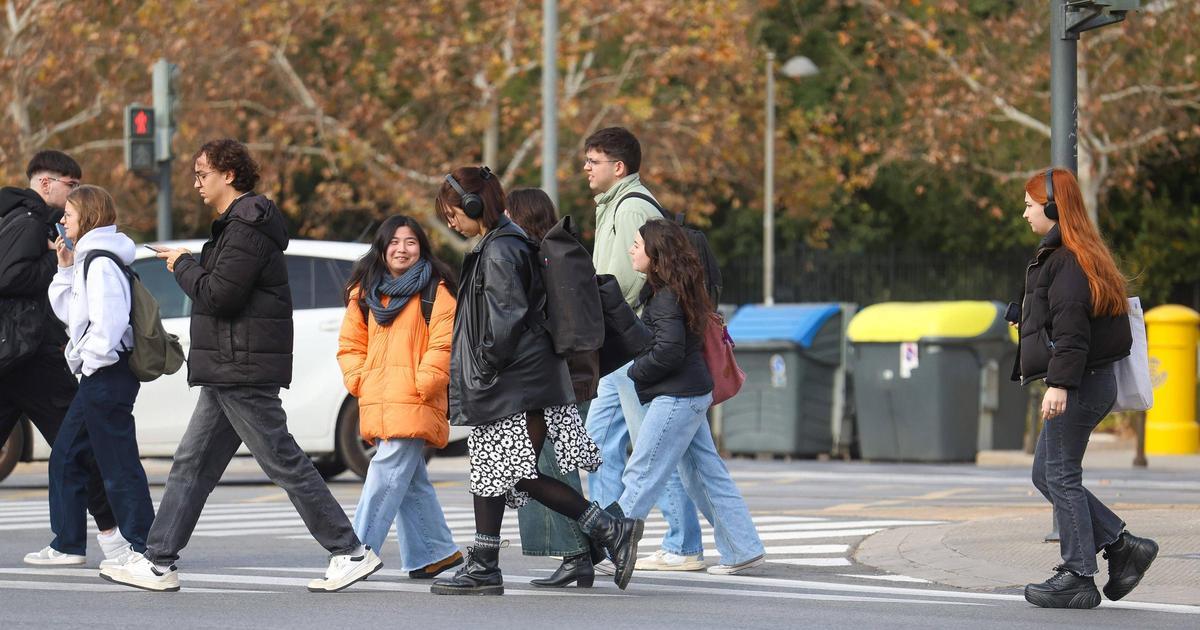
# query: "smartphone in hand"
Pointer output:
{"type": "Point", "coordinates": [62, 231]}
{"type": "Point", "coordinates": [154, 248]}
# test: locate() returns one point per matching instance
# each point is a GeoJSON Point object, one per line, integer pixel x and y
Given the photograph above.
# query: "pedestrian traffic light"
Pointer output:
{"type": "Point", "coordinates": [165, 80]}
{"type": "Point", "coordinates": [139, 139]}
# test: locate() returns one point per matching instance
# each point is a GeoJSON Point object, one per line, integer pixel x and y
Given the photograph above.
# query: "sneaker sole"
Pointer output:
{"type": "Point", "coordinates": [757, 562]}
{"type": "Point", "coordinates": [143, 586]}
{"type": "Point", "coordinates": [55, 563]}
{"type": "Point", "coordinates": [603, 570]}
{"type": "Point", "coordinates": [622, 580]}
{"type": "Point", "coordinates": [1078, 601]}
{"type": "Point", "coordinates": [1114, 592]}
{"type": "Point", "coordinates": [688, 566]}
{"type": "Point", "coordinates": [478, 590]}
{"type": "Point", "coordinates": [359, 576]}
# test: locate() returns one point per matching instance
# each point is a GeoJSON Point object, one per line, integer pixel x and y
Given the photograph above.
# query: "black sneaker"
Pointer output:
{"type": "Point", "coordinates": [1128, 559]}
{"type": "Point", "coordinates": [1064, 590]}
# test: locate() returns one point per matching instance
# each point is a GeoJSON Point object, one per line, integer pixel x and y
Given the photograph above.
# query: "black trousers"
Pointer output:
{"type": "Point", "coordinates": [42, 388]}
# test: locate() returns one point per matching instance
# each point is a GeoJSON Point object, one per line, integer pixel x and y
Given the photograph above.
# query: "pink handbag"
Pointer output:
{"type": "Point", "coordinates": [718, 354]}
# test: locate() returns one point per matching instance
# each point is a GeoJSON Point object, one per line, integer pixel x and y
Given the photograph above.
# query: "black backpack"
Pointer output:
{"type": "Point", "coordinates": [708, 260]}
{"type": "Point", "coordinates": [572, 299]}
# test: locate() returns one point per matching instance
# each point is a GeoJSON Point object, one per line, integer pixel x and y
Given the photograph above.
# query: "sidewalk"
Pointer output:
{"type": "Point", "coordinates": [1105, 452]}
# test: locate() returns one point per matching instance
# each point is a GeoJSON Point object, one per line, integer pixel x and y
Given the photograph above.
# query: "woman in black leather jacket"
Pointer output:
{"type": "Point", "coordinates": [1073, 327]}
{"type": "Point", "coordinates": [507, 382]}
{"type": "Point", "coordinates": [674, 383]}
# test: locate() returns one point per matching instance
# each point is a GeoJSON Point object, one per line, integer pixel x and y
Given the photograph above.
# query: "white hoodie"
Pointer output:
{"type": "Point", "coordinates": [99, 306]}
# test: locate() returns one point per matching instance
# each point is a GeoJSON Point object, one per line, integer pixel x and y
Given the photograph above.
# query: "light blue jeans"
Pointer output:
{"type": "Point", "coordinates": [675, 439]}
{"type": "Point", "coordinates": [397, 489]}
{"type": "Point", "coordinates": [613, 418]}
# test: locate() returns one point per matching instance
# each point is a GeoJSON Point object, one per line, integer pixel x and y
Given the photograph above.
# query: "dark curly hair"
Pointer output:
{"type": "Point", "coordinates": [227, 155]}
{"type": "Point", "coordinates": [675, 266]}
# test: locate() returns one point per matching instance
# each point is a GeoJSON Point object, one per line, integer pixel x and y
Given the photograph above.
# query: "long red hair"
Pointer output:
{"type": "Point", "coordinates": [1080, 236]}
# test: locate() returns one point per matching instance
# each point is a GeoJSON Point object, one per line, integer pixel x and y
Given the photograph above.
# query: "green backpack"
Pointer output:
{"type": "Point", "coordinates": [155, 351]}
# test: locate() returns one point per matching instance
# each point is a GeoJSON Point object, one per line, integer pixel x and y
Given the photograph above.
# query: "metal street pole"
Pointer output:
{"type": "Point", "coordinates": [768, 272]}
{"type": "Point", "coordinates": [1064, 102]}
{"type": "Point", "coordinates": [550, 99]}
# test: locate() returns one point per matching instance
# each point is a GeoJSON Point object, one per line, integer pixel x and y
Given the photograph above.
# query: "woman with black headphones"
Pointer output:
{"type": "Point", "coordinates": [1073, 327]}
{"type": "Point", "coordinates": [507, 383]}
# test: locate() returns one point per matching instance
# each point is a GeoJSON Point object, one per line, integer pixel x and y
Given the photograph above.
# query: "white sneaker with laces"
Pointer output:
{"type": "Point", "coordinates": [663, 560]}
{"type": "Point", "coordinates": [116, 549]}
{"type": "Point", "coordinates": [605, 567]}
{"type": "Point", "coordinates": [139, 572]}
{"type": "Point", "coordinates": [726, 569]}
{"type": "Point", "coordinates": [346, 569]}
{"type": "Point", "coordinates": [49, 556]}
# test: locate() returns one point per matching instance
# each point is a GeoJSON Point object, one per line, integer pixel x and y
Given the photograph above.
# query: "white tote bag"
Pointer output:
{"type": "Point", "coordinates": [1134, 391]}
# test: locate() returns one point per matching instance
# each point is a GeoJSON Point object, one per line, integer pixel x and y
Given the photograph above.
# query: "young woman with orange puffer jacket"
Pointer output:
{"type": "Point", "coordinates": [398, 366]}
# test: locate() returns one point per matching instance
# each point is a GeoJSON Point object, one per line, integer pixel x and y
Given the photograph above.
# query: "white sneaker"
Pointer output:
{"type": "Point", "coordinates": [727, 569]}
{"type": "Point", "coordinates": [116, 549]}
{"type": "Point", "coordinates": [139, 572]}
{"type": "Point", "coordinates": [663, 560]}
{"type": "Point", "coordinates": [49, 556]}
{"type": "Point", "coordinates": [605, 567]}
{"type": "Point", "coordinates": [346, 569]}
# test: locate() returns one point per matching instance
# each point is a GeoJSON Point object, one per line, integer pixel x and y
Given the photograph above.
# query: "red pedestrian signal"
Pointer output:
{"type": "Point", "coordinates": [141, 123]}
{"type": "Point", "coordinates": [139, 139]}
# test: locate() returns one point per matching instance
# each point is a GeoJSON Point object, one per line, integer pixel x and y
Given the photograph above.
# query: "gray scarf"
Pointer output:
{"type": "Point", "coordinates": [399, 289]}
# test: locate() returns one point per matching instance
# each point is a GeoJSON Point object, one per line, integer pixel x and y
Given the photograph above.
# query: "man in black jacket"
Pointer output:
{"type": "Point", "coordinates": [40, 385]}
{"type": "Point", "coordinates": [241, 355]}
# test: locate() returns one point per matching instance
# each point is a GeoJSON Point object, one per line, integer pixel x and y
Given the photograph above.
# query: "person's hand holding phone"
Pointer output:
{"type": "Point", "coordinates": [169, 255]}
{"type": "Point", "coordinates": [66, 255]}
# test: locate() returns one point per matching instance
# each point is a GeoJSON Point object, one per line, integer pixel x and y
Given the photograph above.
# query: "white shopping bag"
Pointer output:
{"type": "Point", "coordinates": [1134, 392]}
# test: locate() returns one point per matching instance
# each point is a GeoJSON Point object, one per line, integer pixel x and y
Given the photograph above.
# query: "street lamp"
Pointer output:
{"type": "Point", "coordinates": [795, 68]}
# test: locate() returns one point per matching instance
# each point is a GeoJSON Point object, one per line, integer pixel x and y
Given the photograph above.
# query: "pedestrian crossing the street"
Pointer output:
{"type": "Point", "coordinates": [789, 540]}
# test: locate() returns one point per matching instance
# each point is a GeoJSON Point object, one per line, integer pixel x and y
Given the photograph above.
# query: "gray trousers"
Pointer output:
{"type": "Point", "coordinates": [224, 418]}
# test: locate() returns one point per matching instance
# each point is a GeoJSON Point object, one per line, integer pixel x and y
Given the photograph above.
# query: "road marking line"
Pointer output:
{"type": "Point", "coordinates": [812, 562]}
{"type": "Point", "coordinates": [786, 549]}
{"type": "Point", "coordinates": [887, 578]}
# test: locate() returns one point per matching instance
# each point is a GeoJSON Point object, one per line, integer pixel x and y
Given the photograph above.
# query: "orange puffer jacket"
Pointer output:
{"type": "Point", "coordinates": [399, 373]}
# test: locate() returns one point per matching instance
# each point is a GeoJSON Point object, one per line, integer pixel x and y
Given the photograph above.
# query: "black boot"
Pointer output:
{"type": "Point", "coordinates": [480, 575]}
{"type": "Point", "coordinates": [1128, 559]}
{"type": "Point", "coordinates": [617, 536]}
{"type": "Point", "coordinates": [576, 569]}
{"type": "Point", "coordinates": [1064, 590]}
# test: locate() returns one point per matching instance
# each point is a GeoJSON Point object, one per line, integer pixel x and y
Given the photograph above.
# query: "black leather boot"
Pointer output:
{"type": "Point", "coordinates": [1128, 559]}
{"type": "Point", "coordinates": [576, 569]}
{"type": "Point", "coordinates": [480, 575]}
{"type": "Point", "coordinates": [1064, 590]}
{"type": "Point", "coordinates": [618, 537]}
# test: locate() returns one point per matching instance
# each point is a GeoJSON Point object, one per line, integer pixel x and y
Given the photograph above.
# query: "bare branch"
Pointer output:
{"type": "Point", "coordinates": [84, 116]}
{"type": "Point", "coordinates": [1148, 89]}
{"type": "Point", "coordinates": [1133, 143]}
{"type": "Point", "coordinates": [95, 145]}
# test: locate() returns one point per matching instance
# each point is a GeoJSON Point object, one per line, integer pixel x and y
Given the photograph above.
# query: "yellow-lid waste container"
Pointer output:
{"type": "Point", "coordinates": [931, 381]}
{"type": "Point", "coordinates": [1171, 335]}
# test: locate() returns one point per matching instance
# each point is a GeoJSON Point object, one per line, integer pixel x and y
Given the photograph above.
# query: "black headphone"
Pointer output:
{"type": "Point", "coordinates": [1051, 207]}
{"type": "Point", "coordinates": [472, 203]}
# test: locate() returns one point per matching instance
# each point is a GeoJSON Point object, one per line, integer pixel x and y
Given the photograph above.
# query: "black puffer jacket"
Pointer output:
{"type": "Point", "coordinates": [1059, 336]}
{"type": "Point", "coordinates": [503, 360]}
{"type": "Point", "coordinates": [242, 317]}
{"type": "Point", "coordinates": [27, 264]}
{"type": "Point", "coordinates": [673, 363]}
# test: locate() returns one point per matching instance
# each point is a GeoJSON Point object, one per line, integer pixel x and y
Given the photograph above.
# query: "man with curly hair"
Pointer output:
{"type": "Point", "coordinates": [241, 354]}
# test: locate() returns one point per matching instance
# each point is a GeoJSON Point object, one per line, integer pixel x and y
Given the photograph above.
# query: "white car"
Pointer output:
{"type": "Point", "coordinates": [322, 415]}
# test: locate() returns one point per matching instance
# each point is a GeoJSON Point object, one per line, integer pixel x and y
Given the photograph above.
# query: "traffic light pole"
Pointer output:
{"type": "Point", "coordinates": [1064, 97]}
{"type": "Point", "coordinates": [164, 201]}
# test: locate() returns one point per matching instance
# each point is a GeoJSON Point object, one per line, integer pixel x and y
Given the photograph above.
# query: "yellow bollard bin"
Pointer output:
{"type": "Point", "coordinates": [1171, 427]}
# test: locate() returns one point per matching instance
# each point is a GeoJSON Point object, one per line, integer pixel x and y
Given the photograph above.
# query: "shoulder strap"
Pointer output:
{"type": "Point", "coordinates": [428, 296]}
{"type": "Point", "coordinates": [652, 201]}
{"type": "Point", "coordinates": [100, 253]}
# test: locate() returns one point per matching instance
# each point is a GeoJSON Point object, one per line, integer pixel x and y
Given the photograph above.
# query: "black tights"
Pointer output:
{"type": "Point", "coordinates": [550, 492]}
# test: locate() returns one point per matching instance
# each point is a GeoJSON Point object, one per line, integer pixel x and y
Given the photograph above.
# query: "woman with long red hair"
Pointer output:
{"type": "Point", "coordinates": [1073, 327]}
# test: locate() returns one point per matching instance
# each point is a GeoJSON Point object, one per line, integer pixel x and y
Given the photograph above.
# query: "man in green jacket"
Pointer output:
{"type": "Point", "coordinates": [613, 157]}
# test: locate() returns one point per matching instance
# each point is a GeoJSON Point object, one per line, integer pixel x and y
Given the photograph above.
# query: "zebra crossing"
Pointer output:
{"type": "Point", "coordinates": [789, 540]}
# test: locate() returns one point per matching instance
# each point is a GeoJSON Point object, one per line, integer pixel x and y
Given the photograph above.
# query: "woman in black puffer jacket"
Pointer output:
{"type": "Point", "coordinates": [507, 383]}
{"type": "Point", "coordinates": [1073, 327]}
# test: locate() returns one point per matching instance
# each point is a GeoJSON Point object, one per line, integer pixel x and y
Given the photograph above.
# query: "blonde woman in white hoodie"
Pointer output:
{"type": "Point", "coordinates": [93, 299]}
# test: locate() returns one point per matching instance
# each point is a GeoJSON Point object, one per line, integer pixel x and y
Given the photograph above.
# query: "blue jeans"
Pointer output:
{"type": "Point", "coordinates": [675, 439]}
{"type": "Point", "coordinates": [397, 489]}
{"type": "Point", "coordinates": [1085, 524]}
{"type": "Point", "coordinates": [100, 422]}
{"type": "Point", "coordinates": [613, 418]}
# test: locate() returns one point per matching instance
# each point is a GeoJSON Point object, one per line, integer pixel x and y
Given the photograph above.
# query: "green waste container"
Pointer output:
{"type": "Point", "coordinates": [931, 381]}
{"type": "Point", "coordinates": [791, 402]}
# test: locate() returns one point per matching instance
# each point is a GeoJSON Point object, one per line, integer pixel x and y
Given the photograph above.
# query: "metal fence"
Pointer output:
{"type": "Point", "coordinates": [808, 275]}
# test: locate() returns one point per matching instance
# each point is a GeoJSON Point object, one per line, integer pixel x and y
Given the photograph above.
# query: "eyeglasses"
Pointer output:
{"type": "Point", "coordinates": [69, 183]}
{"type": "Point", "coordinates": [201, 175]}
{"type": "Point", "coordinates": [591, 162]}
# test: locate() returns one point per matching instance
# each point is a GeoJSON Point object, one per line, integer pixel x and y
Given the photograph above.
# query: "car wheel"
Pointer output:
{"type": "Point", "coordinates": [352, 450]}
{"type": "Point", "coordinates": [10, 452]}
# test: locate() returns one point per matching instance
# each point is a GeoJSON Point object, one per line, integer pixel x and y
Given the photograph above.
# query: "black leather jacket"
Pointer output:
{"type": "Point", "coordinates": [1060, 337]}
{"type": "Point", "coordinates": [503, 361]}
{"type": "Point", "coordinates": [673, 363]}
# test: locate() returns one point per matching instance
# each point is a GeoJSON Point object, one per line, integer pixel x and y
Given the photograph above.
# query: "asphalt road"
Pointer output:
{"type": "Point", "coordinates": [247, 565]}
